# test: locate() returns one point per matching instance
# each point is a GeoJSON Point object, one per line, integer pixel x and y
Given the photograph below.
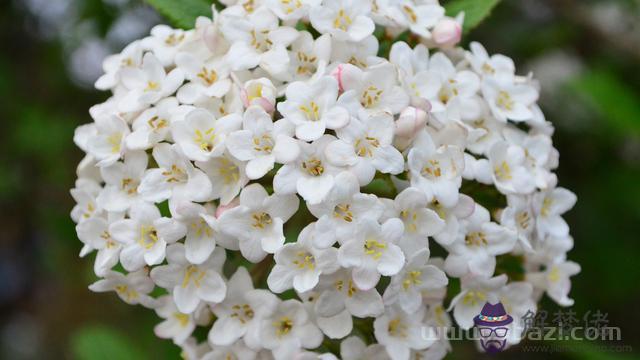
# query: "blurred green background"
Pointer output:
{"type": "Point", "coordinates": [586, 55]}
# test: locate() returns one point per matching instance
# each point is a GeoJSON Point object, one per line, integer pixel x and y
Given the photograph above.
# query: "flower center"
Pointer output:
{"type": "Point", "coordinates": [313, 166]}
{"type": "Point", "coordinates": [475, 238]}
{"type": "Point", "coordinates": [129, 186]}
{"type": "Point", "coordinates": [343, 211]}
{"type": "Point", "coordinates": [261, 220]}
{"type": "Point", "coordinates": [546, 206]}
{"type": "Point", "coordinates": [342, 21]}
{"type": "Point", "coordinates": [351, 289]}
{"type": "Point", "coordinates": [409, 219]}
{"type": "Point", "coordinates": [126, 292]}
{"type": "Point", "coordinates": [283, 326]}
{"type": "Point", "coordinates": [115, 140]}
{"type": "Point", "coordinates": [156, 123]}
{"type": "Point", "coordinates": [260, 40]}
{"type": "Point", "coordinates": [152, 86]}
{"type": "Point", "coordinates": [208, 76]}
{"type": "Point", "coordinates": [173, 39]}
{"type": "Point", "coordinates": [244, 313]}
{"type": "Point", "coordinates": [263, 143]}
{"type": "Point", "coordinates": [176, 174]}
{"type": "Point", "coordinates": [306, 63]}
{"type": "Point", "coordinates": [148, 237]}
{"type": "Point", "coordinates": [503, 171]}
{"type": "Point", "coordinates": [228, 171]}
{"type": "Point", "coordinates": [504, 100]}
{"type": "Point", "coordinates": [371, 96]}
{"type": "Point", "coordinates": [193, 274]}
{"type": "Point", "coordinates": [304, 260]}
{"type": "Point", "coordinates": [412, 278]}
{"type": "Point", "coordinates": [201, 228]}
{"type": "Point", "coordinates": [523, 219]}
{"type": "Point", "coordinates": [290, 6]}
{"type": "Point", "coordinates": [473, 298]}
{"type": "Point", "coordinates": [411, 14]}
{"type": "Point", "coordinates": [374, 248]}
{"type": "Point", "coordinates": [432, 170]}
{"type": "Point", "coordinates": [183, 319]}
{"type": "Point", "coordinates": [397, 328]}
{"type": "Point", "coordinates": [311, 111]}
{"type": "Point", "coordinates": [364, 147]}
{"type": "Point", "coordinates": [206, 139]}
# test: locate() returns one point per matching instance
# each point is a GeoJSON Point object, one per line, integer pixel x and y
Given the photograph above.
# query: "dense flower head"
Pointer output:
{"type": "Point", "coordinates": [274, 176]}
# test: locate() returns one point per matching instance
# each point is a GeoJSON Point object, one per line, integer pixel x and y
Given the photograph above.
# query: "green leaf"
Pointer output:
{"type": "Point", "coordinates": [182, 13]}
{"type": "Point", "coordinates": [102, 343]}
{"type": "Point", "coordinates": [611, 97]}
{"type": "Point", "coordinates": [474, 11]}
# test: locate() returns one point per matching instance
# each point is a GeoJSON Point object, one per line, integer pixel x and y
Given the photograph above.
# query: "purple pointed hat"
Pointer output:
{"type": "Point", "coordinates": [493, 315]}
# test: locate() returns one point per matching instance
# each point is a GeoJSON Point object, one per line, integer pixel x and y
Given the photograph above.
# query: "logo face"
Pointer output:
{"type": "Point", "coordinates": [492, 325]}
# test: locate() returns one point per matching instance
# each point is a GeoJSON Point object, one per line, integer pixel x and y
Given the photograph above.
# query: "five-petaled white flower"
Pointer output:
{"type": "Point", "coordinates": [258, 221]}
{"type": "Point", "coordinates": [300, 264]}
{"type": "Point", "coordinates": [373, 252]}
{"type": "Point", "coordinates": [343, 19]}
{"type": "Point", "coordinates": [145, 235]}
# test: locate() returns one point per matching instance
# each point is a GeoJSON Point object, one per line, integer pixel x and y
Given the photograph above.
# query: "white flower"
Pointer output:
{"type": "Point", "coordinates": [372, 90]}
{"type": "Point", "coordinates": [341, 211]}
{"type": "Point", "coordinates": [436, 171]}
{"type": "Point", "coordinates": [107, 144]}
{"type": "Point", "coordinates": [312, 108]}
{"type": "Point", "coordinates": [262, 142]}
{"type": "Point", "coordinates": [310, 174]}
{"type": "Point", "coordinates": [366, 146]}
{"type": "Point", "coordinates": [237, 350]}
{"type": "Point", "coordinates": [165, 42]}
{"type": "Point", "coordinates": [400, 332]}
{"type": "Point", "coordinates": [548, 206]}
{"type": "Point", "coordinates": [334, 326]}
{"type": "Point", "coordinates": [478, 242]}
{"type": "Point", "coordinates": [203, 231]}
{"type": "Point", "coordinates": [354, 348]}
{"type": "Point", "coordinates": [309, 57]}
{"type": "Point", "coordinates": [344, 20]}
{"type": "Point", "coordinates": [509, 100]}
{"type": "Point", "coordinates": [289, 329]}
{"type": "Point", "coordinates": [509, 169]}
{"type": "Point", "coordinates": [130, 56]}
{"type": "Point", "coordinates": [555, 280]}
{"type": "Point", "coordinates": [260, 92]}
{"type": "Point", "coordinates": [338, 292]}
{"type": "Point", "coordinates": [257, 40]}
{"type": "Point", "coordinates": [257, 222]}
{"type": "Point", "coordinates": [191, 284]}
{"type": "Point", "coordinates": [153, 125]}
{"type": "Point", "coordinates": [175, 177]}
{"type": "Point", "coordinates": [176, 325]}
{"type": "Point", "coordinates": [133, 288]}
{"type": "Point", "coordinates": [145, 235]}
{"type": "Point", "coordinates": [288, 10]}
{"type": "Point", "coordinates": [208, 78]}
{"type": "Point", "coordinates": [420, 222]}
{"type": "Point", "coordinates": [418, 80]}
{"type": "Point", "coordinates": [373, 252]}
{"type": "Point", "coordinates": [458, 87]}
{"type": "Point", "coordinates": [241, 312]}
{"type": "Point", "coordinates": [227, 176]}
{"type": "Point", "coordinates": [423, 17]}
{"type": "Point", "coordinates": [519, 216]}
{"type": "Point", "coordinates": [85, 194]}
{"type": "Point", "coordinates": [201, 136]}
{"type": "Point", "coordinates": [360, 54]}
{"type": "Point", "coordinates": [148, 84]}
{"type": "Point", "coordinates": [495, 66]}
{"type": "Point", "coordinates": [416, 277]}
{"type": "Point", "coordinates": [474, 293]}
{"type": "Point", "coordinates": [300, 264]}
{"type": "Point", "coordinates": [94, 233]}
{"type": "Point", "coordinates": [122, 179]}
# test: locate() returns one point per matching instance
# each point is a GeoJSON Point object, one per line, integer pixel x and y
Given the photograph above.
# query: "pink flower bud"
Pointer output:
{"type": "Point", "coordinates": [337, 73]}
{"type": "Point", "coordinates": [447, 32]}
{"type": "Point", "coordinates": [222, 208]}
{"type": "Point", "coordinates": [410, 121]}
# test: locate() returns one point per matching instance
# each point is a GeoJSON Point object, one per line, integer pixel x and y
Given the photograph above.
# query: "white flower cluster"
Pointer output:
{"type": "Point", "coordinates": [213, 137]}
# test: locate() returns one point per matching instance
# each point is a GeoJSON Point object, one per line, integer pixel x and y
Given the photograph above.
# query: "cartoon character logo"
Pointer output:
{"type": "Point", "coordinates": [492, 325]}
